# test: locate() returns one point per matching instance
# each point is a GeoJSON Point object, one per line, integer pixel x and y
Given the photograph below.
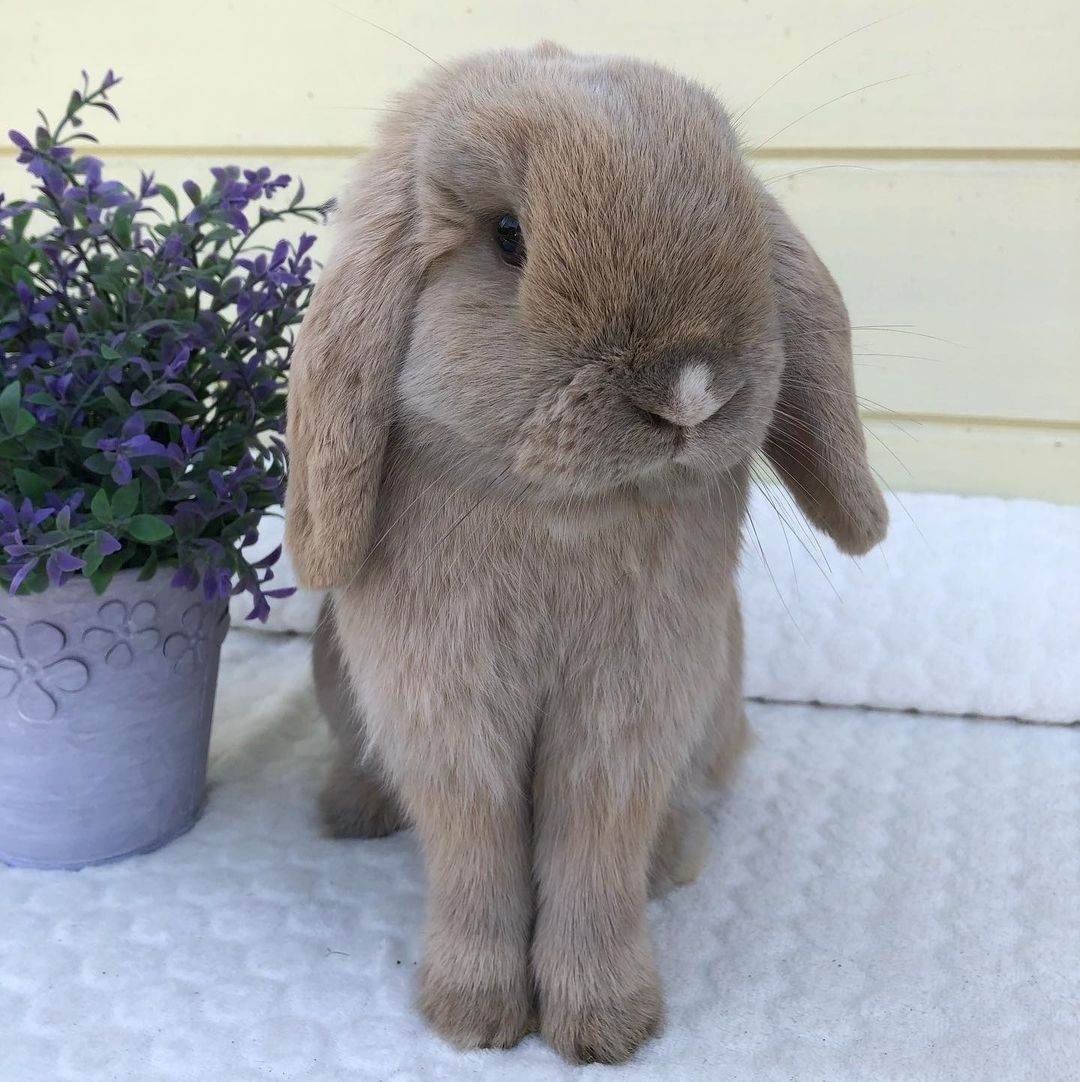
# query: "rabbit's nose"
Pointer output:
{"type": "Point", "coordinates": [692, 398]}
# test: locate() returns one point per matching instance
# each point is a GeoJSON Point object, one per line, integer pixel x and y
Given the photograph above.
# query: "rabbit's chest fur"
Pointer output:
{"type": "Point", "coordinates": [477, 615]}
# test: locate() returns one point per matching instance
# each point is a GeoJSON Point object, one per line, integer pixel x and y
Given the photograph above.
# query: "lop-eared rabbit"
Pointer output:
{"type": "Point", "coordinates": [559, 319]}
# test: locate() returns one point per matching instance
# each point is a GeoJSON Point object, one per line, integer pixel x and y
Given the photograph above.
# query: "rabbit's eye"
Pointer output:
{"type": "Point", "coordinates": [510, 241]}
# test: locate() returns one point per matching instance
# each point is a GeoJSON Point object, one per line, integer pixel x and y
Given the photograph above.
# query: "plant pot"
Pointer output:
{"type": "Point", "coordinates": [105, 707]}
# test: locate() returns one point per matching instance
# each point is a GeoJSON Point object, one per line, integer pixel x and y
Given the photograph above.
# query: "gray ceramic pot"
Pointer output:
{"type": "Point", "coordinates": [105, 706]}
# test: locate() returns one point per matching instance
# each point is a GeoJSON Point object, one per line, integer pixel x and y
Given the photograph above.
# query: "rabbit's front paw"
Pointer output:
{"type": "Point", "coordinates": [488, 1015]}
{"type": "Point", "coordinates": [605, 1028]}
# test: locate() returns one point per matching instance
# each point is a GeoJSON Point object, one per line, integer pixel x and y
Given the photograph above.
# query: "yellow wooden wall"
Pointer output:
{"type": "Point", "coordinates": [931, 151]}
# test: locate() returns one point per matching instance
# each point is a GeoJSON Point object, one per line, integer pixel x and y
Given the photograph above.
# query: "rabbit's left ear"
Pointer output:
{"type": "Point", "coordinates": [815, 440]}
{"type": "Point", "coordinates": [341, 385]}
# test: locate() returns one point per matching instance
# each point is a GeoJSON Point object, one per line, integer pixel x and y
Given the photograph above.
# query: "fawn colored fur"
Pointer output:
{"type": "Point", "coordinates": [534, 647]}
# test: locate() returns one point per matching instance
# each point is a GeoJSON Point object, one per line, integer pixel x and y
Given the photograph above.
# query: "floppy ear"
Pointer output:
{"type": "Point", "coordinates": [815, 441]}
{"type": "Point", "coordinates": [341, 384]}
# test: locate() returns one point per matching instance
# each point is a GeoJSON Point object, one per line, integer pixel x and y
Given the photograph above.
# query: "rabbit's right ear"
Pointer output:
{"type": "Point", "coordinates": [816, 440]}
{"type": "Point", "coordinates": [341, 385]}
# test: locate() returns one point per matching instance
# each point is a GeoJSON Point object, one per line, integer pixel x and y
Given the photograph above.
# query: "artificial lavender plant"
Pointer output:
{"type": "Point", "coordinates": [144, 350]}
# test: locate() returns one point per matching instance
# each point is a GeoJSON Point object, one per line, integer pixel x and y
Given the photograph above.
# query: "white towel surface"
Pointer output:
{"type": "Point", "coordinates": [888, 897]}
{"type": "Point", "coordinates": [971, 606]}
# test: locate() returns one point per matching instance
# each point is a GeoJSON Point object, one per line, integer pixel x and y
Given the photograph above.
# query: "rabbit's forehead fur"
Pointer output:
{"type": "Point", "coordinates": [645, 292]}
{"type": "Point", "coordinates": [643, 225]}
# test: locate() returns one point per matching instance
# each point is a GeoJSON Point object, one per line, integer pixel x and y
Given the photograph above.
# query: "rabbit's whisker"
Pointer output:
{"type": "Point", "coordinates": [871, 328]}
{"type": "Point", "coordinates": [772, 577]}
{"type": "Point", "coordinates": [794, 381]}
{"type": "Point", "coordinates": [801, 444]}
{"type": "Point", "coordinates": [760, 466]}
{"type": "Point", "coordinates": [373, 109]}
{"type": "Point", "coordinates": [767, 489]}
{"type": "Point", "coordinates": [817, 169]}
{"type": "Point", "coordinates": [480, 499]}
{"type": "Point", "coordinates": [390, 33]}
{"type": "Point", "coordinates": [815, 434]}
{"type": "Point", "coordinates": [906, 357]}
{"type": "Point", "coordinates": [813, 452]}
{"type": "Point", "coordinates": [904, 330]}
{"type": "Point", "coordinates": [785, 526]}
{"type": "Point", "coordinates": [806, 60]}
{"type": "Point", "coordinates": [824, 104]}
{"type": "Point", "coordinates": [494, 537]}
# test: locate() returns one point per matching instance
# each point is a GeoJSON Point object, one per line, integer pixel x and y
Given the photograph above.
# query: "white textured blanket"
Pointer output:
{"type": "Point", "coordinates": [888, 897]}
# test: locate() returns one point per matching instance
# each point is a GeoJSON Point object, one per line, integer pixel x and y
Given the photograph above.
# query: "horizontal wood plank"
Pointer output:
{"type": "Point", "coordinates": [977, 459]}
{"type": "Point", "coordinates": [966, 73]}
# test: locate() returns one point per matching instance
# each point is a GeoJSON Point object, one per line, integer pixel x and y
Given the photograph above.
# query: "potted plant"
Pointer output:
{"type": "Point", "coordinates": [144, 342]}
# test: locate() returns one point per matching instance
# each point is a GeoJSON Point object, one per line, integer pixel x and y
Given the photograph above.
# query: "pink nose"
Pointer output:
{"type": "Point", "coordinates": [692, 398]}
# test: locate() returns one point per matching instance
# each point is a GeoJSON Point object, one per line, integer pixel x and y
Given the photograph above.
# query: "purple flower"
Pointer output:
{"type": "Point", "coordinates": [186, 578]}
{"type": "Point", "coordinates": [154, 403]}
{"type": "Point", "coordinates": [60, 563]}
{"type": "Point", "coordinates": [189, 439]}
{"type": "Point", "coordinates": [172, 247]}
{"type": "Point", "coordinates": [22, 570]}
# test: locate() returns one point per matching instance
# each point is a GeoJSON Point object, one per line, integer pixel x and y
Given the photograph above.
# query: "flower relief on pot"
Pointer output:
{"type": "Point", "coordinates": [36, 672]}
{"type": "Point", "coordinates": [125, 632]}
{"type": "Point", "coordinates": [203, 627]}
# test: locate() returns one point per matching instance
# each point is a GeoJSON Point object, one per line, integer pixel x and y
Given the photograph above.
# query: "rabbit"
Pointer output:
{"type": "Point", "coordinates": [559, 318]}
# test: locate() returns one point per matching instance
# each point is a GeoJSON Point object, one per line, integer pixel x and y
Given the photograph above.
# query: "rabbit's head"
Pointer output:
{"type": "Point", "coordinates": [556, 272]}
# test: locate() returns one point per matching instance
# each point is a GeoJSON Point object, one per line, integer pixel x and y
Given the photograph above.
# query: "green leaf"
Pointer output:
{"type": "Point", "coordinates": [100, 580]}
{"type": "Point", "coordinates": [148, 528]}
{"type": "Point", "coordinates": [41, 398]}
{"type": "Point", "coordinates": [121, 227]}
{"type": "Point", "coordinates": [19, 223]}
{"type": "Point", "coordinates": [109, 353]}
{"type": "Point", "coordinates": [92, 555]}
{"type": "Point", "coordinates": [164, 416]}
{"type": "Point", "coordinates": [149, 569]}
{"type": "Point", "coordinates": [42, 439]}
{"type": "Point", "coordinates": [21, 274]}
{"type": "Point", "coordinates": [98, 316]}
{"type": "Point", "coordinates": [125, 500]}
{"type": "Point", "coordinates": [10, 398]}
{"type": "Point", "coordinates": [169, 196]}
{"type": "Point", "coordinates": [152, 492]}
{"type": "Point", "coordinates": [118, 403]}
{"type": "Point", "coordinates": [221, 232]}
{"type": "Point", "coordinates": [98, 464]}
{"type": "Point", "coordinates": [100, 507]}
{"type": "Point", "coordinates": [24, 421]}
{"type": "Point", "coordinates": [30, 484]}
